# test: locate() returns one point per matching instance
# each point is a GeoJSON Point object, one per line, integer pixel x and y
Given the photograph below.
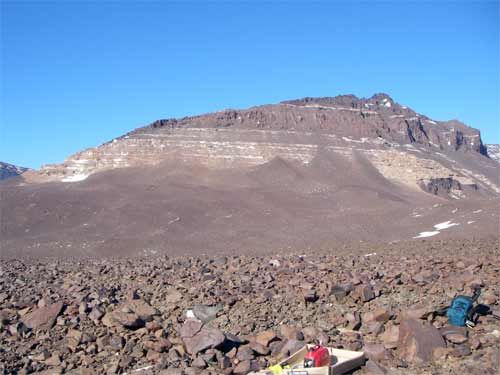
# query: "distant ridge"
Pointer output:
{"type": "Point", "coordinates": [9, 170]}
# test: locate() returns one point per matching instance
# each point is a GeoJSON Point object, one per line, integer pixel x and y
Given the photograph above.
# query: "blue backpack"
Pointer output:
{"type": "Point", "coordinates": [461, 309]}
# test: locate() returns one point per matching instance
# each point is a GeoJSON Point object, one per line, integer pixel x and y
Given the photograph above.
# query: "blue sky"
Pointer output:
{"type": "Point", "coordinates": [75, 75]}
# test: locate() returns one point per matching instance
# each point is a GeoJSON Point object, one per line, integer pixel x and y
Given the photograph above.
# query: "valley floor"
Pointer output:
{"type": "Point", "coordinates": [94, 316]}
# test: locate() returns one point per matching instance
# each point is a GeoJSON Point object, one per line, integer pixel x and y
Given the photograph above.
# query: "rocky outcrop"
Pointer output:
{"type": "Point", "coordinates": [292, 129]}
{"type": "Point", "coordinates": [493, 152]}
{"type": "Point", "coordinates": [297, 131]}
{"type": "Point", "coordinates": [9, 170]}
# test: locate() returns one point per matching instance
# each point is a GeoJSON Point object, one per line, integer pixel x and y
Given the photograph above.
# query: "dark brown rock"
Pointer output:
{"type": "Point", "coordinates": [417, 341]}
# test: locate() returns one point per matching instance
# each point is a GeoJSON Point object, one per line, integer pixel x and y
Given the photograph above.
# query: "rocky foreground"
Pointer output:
{"type": "Point", "coordinates": [238, 314]}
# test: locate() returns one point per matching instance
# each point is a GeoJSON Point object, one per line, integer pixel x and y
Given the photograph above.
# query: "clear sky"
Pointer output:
{"type": "Point", "coordinates": [75, 75]}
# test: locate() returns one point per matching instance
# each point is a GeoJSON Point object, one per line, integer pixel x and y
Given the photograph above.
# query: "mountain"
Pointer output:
{"type": "Point", "coordinates": [306, 173]}
{"type": "Point", "coordinates": [494, 152]}
{"type": "Point", "coordinates": [9, 170]}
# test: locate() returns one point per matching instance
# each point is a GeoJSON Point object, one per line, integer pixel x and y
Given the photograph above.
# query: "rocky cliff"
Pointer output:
{"type": "Point", "coordinates": [406, 147]}
{"type": "Point", "coordinates": [9, 170]}
{"type": "Point", "coordinates": [494, 152]}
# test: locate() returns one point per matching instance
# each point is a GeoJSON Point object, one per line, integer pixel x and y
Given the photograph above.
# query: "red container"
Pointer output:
{"type": "Point", "coordinates": [317, 356]}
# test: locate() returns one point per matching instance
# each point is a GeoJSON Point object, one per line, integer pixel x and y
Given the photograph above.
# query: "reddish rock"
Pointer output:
{"type": "Point", "coordinates": [417, 341]}
{"type": "Point", "coordinates": [265, 337]}
{"type": "Point", "coordinates": [259, 348]}
{"type": "Point", "coordinates": [376, 352]}
{"type": "Point", "coordinates": [127, 320]}
{"type": "Point", "coordinates": [245, 367]}
{"type": "Point", "coordinates": [390, 336]}
{"type": "Point", "coordinates": [206, 338]}
{"type": "Point", "coordinates": [245, 353]}
{"type": "Point", "coordinates": [142, 309]}
{"type": "Point", "coordinates": [416, 312]}
{"type": "Point", "coordinates": [190, 328]}
{"type": "Point", "coordinates": [456, 335]}
{"type": "Point", "coordinates": [379, 315]}
{"type": "Point", "coordinates": [290, 333]}
{"type": "Point", "coordinates": [374, 368]}
{"type": "Point", "coordinates": [43, 317]}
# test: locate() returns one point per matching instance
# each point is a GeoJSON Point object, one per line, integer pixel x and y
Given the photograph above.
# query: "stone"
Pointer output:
{"type": "Point", "coordinates": [54, 360]}
{"type": "Point", "coordinates": [366, 293]}
{"type": "Point", "coordinates": [199, 363]}
{"type": "Point", "coordinates": [339, 292]}
{"type": "Point", "coordinates": [142, 309]}
{"type": "Point", "coordinates": [96, 313]}
{"type": "Point", "coordinates": [83, 308]}
{"type": "Point", "coordinates": [376, 352]}
{"type": "Point", "coordinates": [453, 334]}
{"type": "Point", "coordinates": [206, 313]}
{"type": "Point", "coordinates": [390, 336]}
{"type": "Point", "coordinates": [234, 339]}
{"type": "Point", "coordinates": [374, 368]}
{"type": "Point", "coordinates": [291, 346]}
{"type": "Point", "coordinates": [310, 296]}
{"type": "Point", "coordinates": [379, 315]}
{"type": "Point", "coordinates": [354, 320]}
{"type": "Point", "coordinates": [265, 337]}
{"type": "Point", "coordinates": [416, 312]}
{"type": "Point", "coordinates": [44, 317]}
{"type": "Point", "coordinates": [311, 334]}
{"type": "Point", "coordinates": [224, 362]}
{"type": "Point", "coordinates": [73, 339]}
{"type": "Point", "coordinates": [206, 338]}
{"type": "Point", "coordinates": [461, 351]}
{"type": "Point", "coordinates": [417, 341]}
{"type": "Point", "coordinates": [259, 348]}
{"type": "Point", "coordinates": [244, 367]}
{"type": "Point", "coordinates": [190, 328]}
{"type": "Point", "coordinates": [290, 333]}
{"type": "Point", "coordinates": [173, 296]}
{"type": "Point", "coordinates": [128, 320]}
{"type": "Point", "coordinates": [245, 353]}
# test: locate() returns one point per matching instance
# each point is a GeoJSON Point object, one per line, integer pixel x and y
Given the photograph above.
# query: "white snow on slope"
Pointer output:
{"type": "Point", "coordinates": [75, 178]}
{"type": "Point", "coordinates": [427, 234]}
{"type": "Point", "coordinates": [439, 227]}
{"type": "Point", "coordinates": [445, 225]}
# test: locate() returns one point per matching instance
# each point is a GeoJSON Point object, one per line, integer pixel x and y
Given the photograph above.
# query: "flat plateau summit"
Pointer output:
{"type": "Point", "coordinates": [306, 173]}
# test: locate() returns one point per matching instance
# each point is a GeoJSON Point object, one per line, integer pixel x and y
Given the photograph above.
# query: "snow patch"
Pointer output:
{"type": "Point", "coordinates": [75, 178]}
{"type": "Point", "coordinates": [445, 225]}
{"type": "Point", "coordinates": [427, 234]}
{"type": "Point", "coordinates": [470, 222]}
{"type": "Point", "coordinates": [477, 211]}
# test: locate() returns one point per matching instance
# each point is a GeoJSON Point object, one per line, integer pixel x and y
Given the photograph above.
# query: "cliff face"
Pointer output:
{"type": "Point", "coordinates": [298, 130]}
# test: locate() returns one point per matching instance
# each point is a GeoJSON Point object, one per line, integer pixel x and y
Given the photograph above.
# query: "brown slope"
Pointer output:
{"type": "Point", "coordinates": [185, 209]}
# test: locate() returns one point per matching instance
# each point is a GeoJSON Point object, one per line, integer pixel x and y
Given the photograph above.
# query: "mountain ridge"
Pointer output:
{"type": "Point", "coordinates": [10, 170]}
{"type": "Point", "coordinates": [312, 173]}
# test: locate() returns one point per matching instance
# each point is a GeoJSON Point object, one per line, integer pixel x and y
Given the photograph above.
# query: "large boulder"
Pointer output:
{"type": "Point", "coordinates": [417, 341]}
{"type": "Point", "coordinates": [43, 317]}
{"type": "Point", "coordinates": [206, 338]}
